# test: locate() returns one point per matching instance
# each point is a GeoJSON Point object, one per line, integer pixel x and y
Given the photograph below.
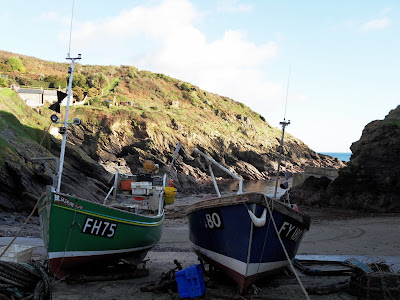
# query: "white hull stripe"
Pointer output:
{"type": "Point", "coordinates": [94, 253]}
{"type": "Point", "coordinates": [239, 266]}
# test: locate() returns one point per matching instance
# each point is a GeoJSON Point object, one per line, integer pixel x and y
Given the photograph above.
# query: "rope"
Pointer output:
{"type": "Point", "coordinates": [66, 245]}
{"type": "Point", "coordinates": [41, 142]}
{"type": "Point", "coordinates": [26, 280]}
{"type": "Point", "coordinates": [15, 237]}
{"type": "Point", "coordinates": [265, 241]}
{"type": "Point", "coordinates": [284, 250]}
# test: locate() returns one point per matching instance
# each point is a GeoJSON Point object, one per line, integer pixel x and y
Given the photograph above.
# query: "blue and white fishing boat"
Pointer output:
{"type": "Point", "coordinates": [246, 235]}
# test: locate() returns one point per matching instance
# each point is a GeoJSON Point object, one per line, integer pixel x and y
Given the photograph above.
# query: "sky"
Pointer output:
{"type": "Point", "coordinates": [330, 67]}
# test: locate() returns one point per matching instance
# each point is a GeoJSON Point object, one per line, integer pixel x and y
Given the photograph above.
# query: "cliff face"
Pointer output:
{"type": "Point", "coordinates": [22, 181]}
{"type": "Point", "coordinates": [118, 144]}
{"type": "Point", "coordinates": [123, 139]}
{"type": "Point", "coordinates": [371, 180]}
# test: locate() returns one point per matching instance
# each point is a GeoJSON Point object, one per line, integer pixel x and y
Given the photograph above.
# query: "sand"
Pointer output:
{"type": "Point", "coordinates": [334, 235]}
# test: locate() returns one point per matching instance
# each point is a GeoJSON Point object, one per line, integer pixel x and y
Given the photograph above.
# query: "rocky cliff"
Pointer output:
{"type": "Point", "coordinates": [130, 116]}
{"type": "Point", "coordinates": [120, 138]}
{"type": "Point", "coordinates": [371, 180]}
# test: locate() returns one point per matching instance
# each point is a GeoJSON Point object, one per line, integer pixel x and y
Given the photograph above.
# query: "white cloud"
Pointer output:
{"type": "Point", "coordinates": [376, 24]}
{"type": "Point", "coordinates": [232, 6]}
{"type": "Point", "coordinates": [229, 66]}
{"type": "Point", "coordinates": [56, 18]}
{"type": "Point", "coordinates": [301, 98]}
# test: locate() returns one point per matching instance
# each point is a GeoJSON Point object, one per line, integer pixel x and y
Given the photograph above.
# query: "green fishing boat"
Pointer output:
{"type": "Point", "coordinates": [80, 234]}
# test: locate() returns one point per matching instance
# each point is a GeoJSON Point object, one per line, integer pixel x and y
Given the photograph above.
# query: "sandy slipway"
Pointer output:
{"type": "Point", "coordinates": [334, 234]}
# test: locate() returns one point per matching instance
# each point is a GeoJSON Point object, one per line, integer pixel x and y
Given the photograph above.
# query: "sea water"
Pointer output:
{"type": "Point", "coordinates": [268, 186]}
{"type": "Point", "coordinates": [343, 156]}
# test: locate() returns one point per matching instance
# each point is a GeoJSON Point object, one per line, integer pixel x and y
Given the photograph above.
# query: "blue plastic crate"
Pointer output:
{"type": "Point", "coordinates": [190, 282]}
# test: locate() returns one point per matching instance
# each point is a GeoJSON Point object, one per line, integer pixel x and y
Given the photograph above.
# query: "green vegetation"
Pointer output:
{"type": "Point", "coordinates": [110, 87]}
{"type": "Point", "coordinates": [80, 80]}
{"type": "Point", "coordinates": [19, 117]}
{"type": "Point", "coordinates": [97, 80]}
{"type": "Point", "coordinates": [9, 120]}
{"type": "Point", "coordinates": [16, 64]}
{"type": "Point", "coordinates": [138, 96]}
{"type": "Point", "coordinates": [55, 81]}
{"type": "Point", "coordinates": [3, 81]}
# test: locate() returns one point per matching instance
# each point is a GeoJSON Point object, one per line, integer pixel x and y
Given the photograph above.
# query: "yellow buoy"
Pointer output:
{"type": "Point", "coordinates": [149, 166]}
{"type": "Point", "coordinates": [169, 194]}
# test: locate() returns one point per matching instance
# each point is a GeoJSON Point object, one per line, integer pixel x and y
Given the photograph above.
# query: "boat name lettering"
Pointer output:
{"type": "Point", "coordinates": [99, 227]}
{"type": "Point", "coordinates": [213, 220]}
{"type": "Point", "coordinates": [66, 202]}
{"type": "Point", "coordinates": [290, 231]}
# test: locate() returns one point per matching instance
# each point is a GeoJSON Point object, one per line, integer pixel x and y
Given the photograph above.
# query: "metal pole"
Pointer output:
{"type": "Point", "coordinates": [214, 181]}
{"type": "Point", "coordinates": [284, 124]}
{"type": "Point", "coordinates": [64, 140]}
{"type": "Point", "coordinates": [210, 160]}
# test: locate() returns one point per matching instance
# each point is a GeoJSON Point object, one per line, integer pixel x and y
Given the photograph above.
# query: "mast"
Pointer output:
{"type": "Point", "coordinates": [284, 124]}
{"type": "Point", "coordinates": [63, 130]}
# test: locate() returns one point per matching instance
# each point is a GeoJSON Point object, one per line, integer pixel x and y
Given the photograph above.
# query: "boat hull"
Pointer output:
{"type": "Point", "coordinates": [81, 235]}
{"type": "Point", "coordinates": [223, 234]}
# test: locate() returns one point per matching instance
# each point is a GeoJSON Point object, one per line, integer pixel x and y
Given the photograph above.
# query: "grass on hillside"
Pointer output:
{"type": "Point", "coordinates": [157, 99]}
{"type": "Point", "coordinates": [22, 119]}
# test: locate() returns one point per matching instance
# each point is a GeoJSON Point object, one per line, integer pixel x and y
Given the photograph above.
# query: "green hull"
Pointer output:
{"type": "Point", "coordinates": [78, 233]}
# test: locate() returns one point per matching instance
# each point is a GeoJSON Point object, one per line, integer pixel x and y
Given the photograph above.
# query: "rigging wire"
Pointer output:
{"type": "Point", "coordinates": [284, 249]}
{"type": "Point", "coordinates": [41, 142]}
{"type": "Point", "coordinates": [70, 30]}
{"type": "Point", "coordinates": [287, 93]}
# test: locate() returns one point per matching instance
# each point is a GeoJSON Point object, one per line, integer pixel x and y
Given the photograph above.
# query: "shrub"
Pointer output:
{"type": "Point", "coordinates": [98, 80]}
{"type": "Point", "coordinates": [133, 72]}
{"type": "Point", "coordinates": [184, 86]}
{"type": "Point", "coordinates": [78, 93]}
{"type": "Point", "coordinates": [24, 81]}
{"type": "Point", "coordinates": [16, 64]}
{"type": "Point", "coordinates": [92, 92]}
{"type": "Point", "coordinates": [163, 76]}
{"type": "Point", "coordinates": [79, 80]}
{"type": "Point", "coordinates": [56, 81]}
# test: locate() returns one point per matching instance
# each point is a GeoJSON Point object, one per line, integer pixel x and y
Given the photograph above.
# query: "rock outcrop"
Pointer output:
{"type": "Point", "coordinates": [371, 180]}
{"type": "Point", "coordinates": [23, 181]}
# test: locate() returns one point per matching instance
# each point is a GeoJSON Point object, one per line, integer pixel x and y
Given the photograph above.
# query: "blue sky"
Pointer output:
{"type": "Point", "coordinates": [343, 56]}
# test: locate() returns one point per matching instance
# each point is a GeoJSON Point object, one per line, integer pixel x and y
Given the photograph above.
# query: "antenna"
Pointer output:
{"type": "Point", "coordinates": [70, 30]}
{"type": "Point", "coordinates": [287, 93]}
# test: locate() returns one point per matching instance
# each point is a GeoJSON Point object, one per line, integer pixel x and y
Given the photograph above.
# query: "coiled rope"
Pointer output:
{"type": "Point", "coordinates": [24, 281]}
